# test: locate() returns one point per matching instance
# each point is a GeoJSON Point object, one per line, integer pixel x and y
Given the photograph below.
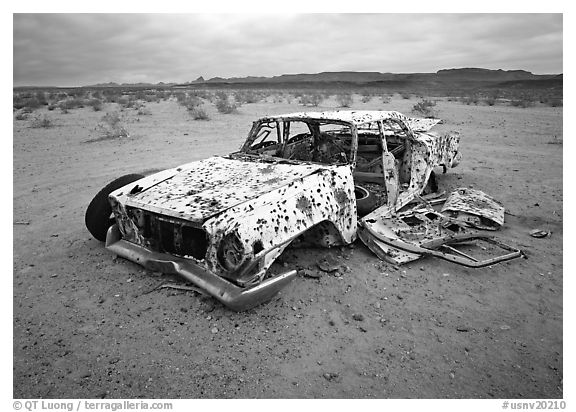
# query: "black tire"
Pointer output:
{"type": "Point", "coordinates": [98, 214]}
{"type": "Point", "coordinates": [365, 201]}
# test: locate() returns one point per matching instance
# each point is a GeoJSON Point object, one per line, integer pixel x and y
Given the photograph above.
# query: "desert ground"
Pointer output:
{"type": "Point", "coordinates": [87, 325]}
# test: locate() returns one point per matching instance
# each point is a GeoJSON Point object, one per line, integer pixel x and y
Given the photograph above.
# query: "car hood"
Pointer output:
{"type": "Point", "coordinates": [202, 189]}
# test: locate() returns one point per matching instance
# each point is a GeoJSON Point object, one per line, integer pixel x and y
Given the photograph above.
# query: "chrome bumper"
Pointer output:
{"type": "Point", "coordinates": [234, 297]}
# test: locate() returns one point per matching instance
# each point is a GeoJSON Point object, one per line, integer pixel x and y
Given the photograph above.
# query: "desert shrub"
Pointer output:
{"type": "Point", "coordinates": [41, 98]}
{"type": "Point", "coordinates": [192, 102]}
{"type": "Point", "coordinates": [424, 108]}
{"type": "Point", "coordinates": [366, 97]}
{"type": "Point", "coordinates": [385, 98]}
{"type": "Point", "coordinates": [313, 99]}
{"type": "Point", "coordinates": [201, 94]}
{"type": "Point", "coordinates": [405, 95]}
{"type": "Point", "coordinates": [246, 96]}
{"type": "Point", "coordinates": [522, 102]}
{"type": "Point", "coordinates": [490, 101]}
{"type": "Point", "coordinates": [97, 95]}
{"type": "Point", "coordinates": [127, 102]}
{"type": "Point", "coordinates": [111, 126]}
{"type": "Point", "coordinates": [70, 104]}
{"type": "Point", "coordinates": [198, 113]}
{"type": "Point", "coordinates": [144, 111]}
{"type": "Point", "coordinates": [221, 95]}
{"type": "Point", "coordinates": [41, 122]}
{"type": "Point", "coordinates": [225, 106]}
{"type": "Point", "coordinates": [344, 99]}
{"type": "Point", "coordinates": [29, 101]}
{"type": "Point", "coordinates": [555, 102]}
{"type": "Point", "coordinates": [180, 97]}
{"type": "Point", "coordinates": [468, 100]}
{"type": "Point", "coordinates": [189, 101]}
{"type": "Point", "coordinates": [112, 95]}
{"type": "Point", "coordinates": [95, 104]}
{"type": "Point", "coordinates": [556, 140]}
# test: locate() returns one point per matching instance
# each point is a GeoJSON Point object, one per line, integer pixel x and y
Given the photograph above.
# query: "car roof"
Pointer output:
{"type": "Point", "coordinates": [356, 117]}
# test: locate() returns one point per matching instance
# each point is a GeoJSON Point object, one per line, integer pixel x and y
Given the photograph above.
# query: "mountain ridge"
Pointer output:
{"type": "Point", "coordinates": [465, 74]}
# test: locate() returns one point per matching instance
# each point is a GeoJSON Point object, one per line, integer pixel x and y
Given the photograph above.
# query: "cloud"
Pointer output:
{"type": "Point", "coordinates": [79, 49]}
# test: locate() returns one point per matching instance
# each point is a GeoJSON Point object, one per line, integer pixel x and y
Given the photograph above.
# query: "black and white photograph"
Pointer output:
{"type": "Point", "coordinates": [287, 206]}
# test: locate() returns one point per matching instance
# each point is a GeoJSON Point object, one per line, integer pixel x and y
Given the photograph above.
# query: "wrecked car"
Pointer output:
{"type": "Point", "coordinates": [319, 177]}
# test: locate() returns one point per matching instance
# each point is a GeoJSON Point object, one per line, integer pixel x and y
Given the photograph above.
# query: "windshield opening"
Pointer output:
{"type": "Point", "coordinates": [324, 142]}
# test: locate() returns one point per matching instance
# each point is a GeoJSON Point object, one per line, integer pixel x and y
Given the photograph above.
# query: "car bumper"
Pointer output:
{"type": "Point", "coordinates": [234, 297]}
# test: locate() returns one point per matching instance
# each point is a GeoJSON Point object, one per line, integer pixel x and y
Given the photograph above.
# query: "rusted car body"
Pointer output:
{"type": "Point", "coordinates": [221, 222]}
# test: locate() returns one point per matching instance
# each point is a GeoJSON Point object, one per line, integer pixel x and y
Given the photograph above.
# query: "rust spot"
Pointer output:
{"type": "Point", "coordinates": [303, 203]}
{"type": "Point", "coordinates": [341, 197]}
{"type": "Point", "coordinates": [267, 169]}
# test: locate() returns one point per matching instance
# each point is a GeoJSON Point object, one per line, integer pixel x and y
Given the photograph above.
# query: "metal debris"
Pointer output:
{"type": "Point", "coordinates": [539, 233]}
{"type": "Point", "coordinates": [307, 273]}
{"type": "Point", "coordinates": [474, 208]}
{"type": "Point", "coordinates": [415, 234]}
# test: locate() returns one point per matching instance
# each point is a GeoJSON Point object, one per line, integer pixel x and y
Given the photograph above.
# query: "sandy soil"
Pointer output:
{"type": "Point", "coordinates": [84, 325]}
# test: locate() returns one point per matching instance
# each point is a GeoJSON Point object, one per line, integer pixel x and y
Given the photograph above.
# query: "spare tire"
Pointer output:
{"type": "Point", "coordinates": [365, 201]}
{"type": "Point", "coordinates": [98, 216]}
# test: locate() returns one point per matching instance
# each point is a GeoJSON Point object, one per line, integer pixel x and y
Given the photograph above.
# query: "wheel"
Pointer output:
{"type": "Point", "coordinates": [98, 216]}
{"type": "Point", "coordinates": [365, 201]}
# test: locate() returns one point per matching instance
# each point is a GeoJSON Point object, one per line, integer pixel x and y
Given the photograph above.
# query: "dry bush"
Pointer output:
{"type": "Point", "coordinates": [313, 99]}
{"type": "Point", "coordinates": [405, 95]}
{"type": "Point", "coordinates": [144, 111]}
{"type": "Point", "coordinates": [468, 100]}
{"type": "Point", "coordinates": [425, 108]}
{"type": "Point", "coordinates": [556, 140]}
{"type": "Point", "coordinates": [95, 104]}
{"type": "Point", "coordinates": [41, 122]}
{"type": "Point", "coordinates": [551, 101]}
{"type": "Point", "coordinates": [189, 101]}
{"type": "Point", "coordinates": [344, 99]}
{"type": "Point", "coordinates": [385, 98]}
{"type": "Point", "coordinates": [247, 96]}
{"type": "Point", "coordinates": [20, 101]}
{"type": "Point", "coordinates": [201, 94]}
{"type": "Point", "coordinates": [198, 113]}
{"type": "Point", "coordinates": [490, 101]}
{"type": "Point", "coordinates": [111, 95]}
{"type": "Point", "coordinates": [522, 102]}
{"type": "Point", "coordinates": [22, 115]}
{"type": "Point", "coordinates": [111, 126]}
{"type": "Point", "coordinates": [224, 105]}
{"type": "Point", "coordinates": [555, 102]}
{"type": "Point", "coordinates": [127, 102]}
{"type": "Point", "coordinates": [192, 102]}
{"type": "Point", "coordinates": [69, 104]}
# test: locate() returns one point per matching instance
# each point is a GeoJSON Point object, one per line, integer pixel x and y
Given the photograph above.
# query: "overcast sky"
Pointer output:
{"type": "Point", "coordinates": [82, 49]}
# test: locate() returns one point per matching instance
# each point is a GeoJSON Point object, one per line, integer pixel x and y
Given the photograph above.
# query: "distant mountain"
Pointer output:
{"type": "Point", "coordinates": [477, 74]}
{"type": "Point", "coordinates": [445, 80]}
{"type": "Point", "coordinates": [463, 74]}
{"type": "Point", "coordinates": [113, 84]}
